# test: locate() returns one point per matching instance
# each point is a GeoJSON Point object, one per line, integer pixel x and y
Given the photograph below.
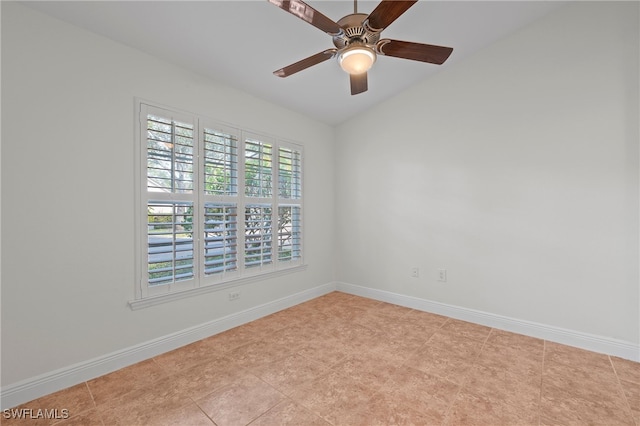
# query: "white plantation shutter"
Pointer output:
{"type": "Point", "coordinates": [289, 233]}
{"type": "Point", "coordinates": [289, 204]}
{"type": "Point", "coordinates": [170, 242]}
{"type": "Point", "coordinates": [220, 194]}
{"type": "Point", "coordinates": [169, 155]}
{"type": "Point", "coordinates": [258, 235]}
{"type": "Point", "coordinates": [220, 238]}
{"type": "Point", "coordinates": [216, 204]}
{"type": "Point", "coordinates": [258, 168]}
{"type": "Point", "coordinates": [290, 173]}
{"type": "Point", "coordinates": [220, 162]}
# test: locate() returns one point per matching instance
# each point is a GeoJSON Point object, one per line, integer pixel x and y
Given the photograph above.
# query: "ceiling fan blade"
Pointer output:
{"type": "Point", "coordinates": [308, 14]}
{"type": "Point", "coordinates": [414, 51]}
{"type": "Point", "coordinates": [305, 63]}
{"type": "Point", "coordinates": [386, 12]}
{"type": "Point", "coordinates": [358, 83]}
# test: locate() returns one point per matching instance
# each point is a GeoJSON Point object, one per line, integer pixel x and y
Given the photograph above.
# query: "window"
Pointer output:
{"type": "Point", "coordinates": [217, 205]}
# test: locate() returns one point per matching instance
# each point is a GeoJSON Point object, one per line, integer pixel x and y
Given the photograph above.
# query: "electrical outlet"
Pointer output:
{"type": "Point", "coordinates": [415, 272]}
{"type": "Point", "coordinates": [234, 295]}
{"type": "Point", "coordinates": [442, 275]}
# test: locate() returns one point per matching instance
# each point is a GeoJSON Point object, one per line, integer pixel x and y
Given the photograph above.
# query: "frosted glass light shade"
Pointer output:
{"type": "Point", "coordinates": [357, 59]}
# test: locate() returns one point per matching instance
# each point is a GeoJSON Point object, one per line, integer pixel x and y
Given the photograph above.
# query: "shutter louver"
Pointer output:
{"type": "Point", "coordinates": [220, 163]}
{"type": "Point", "coordinates": [258, 235]}
{"type": "Point", "coordinates": [215, 205]}
{"type": "Point", "coordinates": [169, 155]}
{"type": "Point", "coordinates": [220, 238]}
{"type": "Point", "coordinates": [289, 233]}
{"type": "Point", "coordinates": [258, 169]}
{"type": "Point", "coordinates": [170, 242]}
{"type": "Point", "coordinates": [289, 173]}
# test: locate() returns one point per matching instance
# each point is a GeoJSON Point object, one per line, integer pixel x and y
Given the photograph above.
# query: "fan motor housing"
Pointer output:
{"type": "Point", "coordinates": [354, 30]}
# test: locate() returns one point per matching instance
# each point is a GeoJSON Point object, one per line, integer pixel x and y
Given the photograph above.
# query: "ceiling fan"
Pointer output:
{"type": "Point", "coordinates": [357, 40]}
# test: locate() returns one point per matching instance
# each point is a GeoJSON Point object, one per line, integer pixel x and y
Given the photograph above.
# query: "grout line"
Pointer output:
{"type": "Point", "coordinates": [464, 380]}
{"type": "Point", "coordinates": [621, 389]}
{"type": "Point", "coordinates": [91, 394]}
{"type": "Point", "coordinates": [201, 410]}
{"type": "Point", "coordinates": [328, 368]}
{"type": "Point", "coordinates": [544, 353]}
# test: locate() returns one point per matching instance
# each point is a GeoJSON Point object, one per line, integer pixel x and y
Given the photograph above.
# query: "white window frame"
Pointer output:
{"type": "Point", "coordinates": [148, 295]}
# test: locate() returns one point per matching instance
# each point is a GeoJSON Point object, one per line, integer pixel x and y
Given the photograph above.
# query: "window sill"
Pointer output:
{"type": "Point", "coordinates": [164, 298]}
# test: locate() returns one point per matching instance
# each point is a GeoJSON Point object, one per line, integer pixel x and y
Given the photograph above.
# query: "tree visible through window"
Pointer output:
{"type": "Point", "coordinates": [219, 203]}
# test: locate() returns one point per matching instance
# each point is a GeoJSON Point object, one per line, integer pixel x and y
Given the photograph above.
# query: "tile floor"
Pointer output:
{"type": "Point", "coordinates": [346, 360]}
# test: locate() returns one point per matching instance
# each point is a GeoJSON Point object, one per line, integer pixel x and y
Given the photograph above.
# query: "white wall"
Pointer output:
{"type": "Point", "coordinates": [516, 170]}
{"type": "Point", "coordinates": [67, 194]}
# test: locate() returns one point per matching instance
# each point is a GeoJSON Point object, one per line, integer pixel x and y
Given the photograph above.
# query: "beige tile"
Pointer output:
{"type": "Point", "coordinates": [516, 341]}
{"type": "Point", "coordinates": [426, 393]}
{"type": "Point", "coordinates": [465, 329]}
{"type": "Point", "coordinates": [515, 389]}
{"type": "Point", "coordinates": [632, 393]}
{"type": "Point", "coordinates": [361, 303]}
{"type": "Point", "coordinates": [88, 418]}
{"type": "Point", "coordinates": [474, 409]}
{"type": "Point", "coordinates": [341, 301]}
{"type": "Point", "coordinates": [140, 406]}
{"type": "Point", "coordinates": [326, 350]}
{"type": "Point", "coordinates": [259, 352]}
{"type": "Point", "coordinates": [518, 360]}
{"type": "Point", "coordinates": [562, 354]}
{"type": "Point", "coordinates": [300, 314]}
{"type": "Point", "coordinates": [329, 299]}
{"type": "Point", "coordinates": [383, 409]}
{"type": "Point", "coordinates": [52, 408]}
{"type": "Point", "coordinates": [348, 332]}
{"type": "Point", "coordinates": [396, 349]}
{"type": "Point", "coordinates": [426, 319]}
{"type": "Point", "coordinates": [398, 328]}
{"type": "Point", "coordinates": [188, 415]}
{"type": "Point", "coordinates": [561, 407]}
{"type": "Point", "coordinates": [125, 380]}
{"type": "Point", "coordinates": [410, 328]}
{"type": "Point", "coordinates": [593, 384]}
{"type": "Point", "coordinates": [266, 325]}
{"type": "Point", "coordinates": [390, 310]}
{"type": "Point", "coordinates": [290, 373]}
{"type": "Point", "coordinates": [446, 355]}
{"type": "Point", "coordinates": [334, 397]}
{"type": "Point", "coordinates": [347, 360]}
{"type": "Point", "coordinates": [205, 378]}
{"type": "Point", "coordinates": [76, 399]}
{"type": "Point", "coordinates": [626, 370]}
{"type": "Point", "coordinates": [344, 312]}
{"type": "Point", "coordinates": [240, 402]}
{"type": "Point", "coordinates": [518, 415]}
{"type": "Point", "coordinates": [188, 356]}
{"type": "Point", "coordinates": [231, 339]}
{"type": "Point", "coordinates": [471, 408]}
{"type": "Point", "coordinates": [368, 369]}
{"type": "Point", "coordinates": [288, 413]}
{"type": "Point", "coordinates": [294, 337]}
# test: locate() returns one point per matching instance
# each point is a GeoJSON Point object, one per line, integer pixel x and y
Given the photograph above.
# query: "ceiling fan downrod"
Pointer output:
{"type": "Point", "coordinates": [357, 42]}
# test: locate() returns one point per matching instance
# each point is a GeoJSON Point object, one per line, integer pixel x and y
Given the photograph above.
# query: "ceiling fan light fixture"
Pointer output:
{"type": "Point", "coordinates": [356, 59]}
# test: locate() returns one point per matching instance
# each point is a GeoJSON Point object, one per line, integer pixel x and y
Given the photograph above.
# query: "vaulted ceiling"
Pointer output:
{"type": "Point", "coordinates": [241, 43]}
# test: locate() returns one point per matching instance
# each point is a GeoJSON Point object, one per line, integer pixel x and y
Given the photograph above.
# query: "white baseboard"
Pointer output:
{"type": "Point", "coordinates": [30, 389]}
{"type": "Point", "coordinates": [577, 339]}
